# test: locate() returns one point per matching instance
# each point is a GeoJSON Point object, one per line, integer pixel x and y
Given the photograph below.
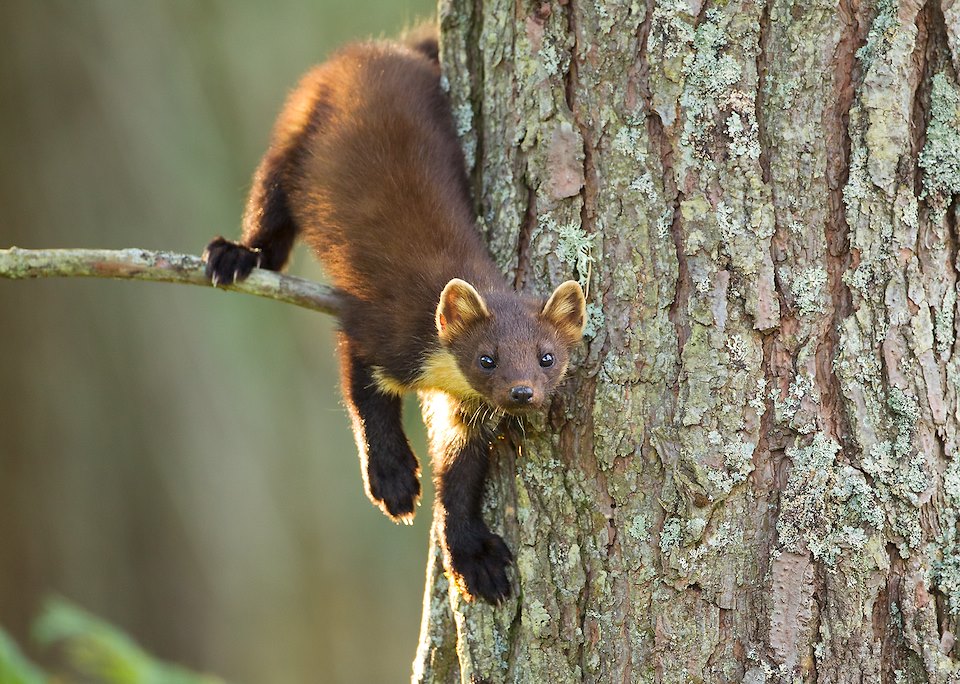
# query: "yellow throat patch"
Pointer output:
{"type": "Point", "coordinates": [438, 372]}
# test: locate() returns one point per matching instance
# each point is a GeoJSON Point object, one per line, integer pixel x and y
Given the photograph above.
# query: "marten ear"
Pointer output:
{"type": "Point", "coordinates": [567, 310]}
{"type": "Point", "coordinates": [460, 305]}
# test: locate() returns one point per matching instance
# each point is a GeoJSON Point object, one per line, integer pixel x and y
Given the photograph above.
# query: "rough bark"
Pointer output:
{"type": "Point", "coordinates": [753, 473]}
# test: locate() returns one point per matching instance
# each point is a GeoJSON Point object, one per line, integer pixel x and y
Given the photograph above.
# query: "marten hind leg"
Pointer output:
{"type": "Point", "coordinates": [269, 230]}
{"type": "Point", "coordinates": [391, 472]}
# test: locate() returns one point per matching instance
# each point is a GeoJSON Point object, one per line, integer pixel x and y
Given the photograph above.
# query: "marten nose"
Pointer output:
{"type": "Point", "coordinates": [521, 394]}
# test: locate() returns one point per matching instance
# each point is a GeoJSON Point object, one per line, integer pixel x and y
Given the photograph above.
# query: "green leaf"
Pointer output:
{"type": "Point", "coordinates": [14, 666]}
{"type": "Point", "coordinates": [102, 653]}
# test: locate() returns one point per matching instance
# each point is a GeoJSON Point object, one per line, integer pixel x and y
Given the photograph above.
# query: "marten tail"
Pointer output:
{"type": "Point", "coordinates": [425, 39]}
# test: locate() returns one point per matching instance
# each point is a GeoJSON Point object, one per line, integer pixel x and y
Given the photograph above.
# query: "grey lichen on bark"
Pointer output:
{"type": "Point", "coordinates": [752, 474]}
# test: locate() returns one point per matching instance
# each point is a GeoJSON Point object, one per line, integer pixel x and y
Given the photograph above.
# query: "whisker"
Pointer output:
{"type": "Point", "coordinates": [475, 415]}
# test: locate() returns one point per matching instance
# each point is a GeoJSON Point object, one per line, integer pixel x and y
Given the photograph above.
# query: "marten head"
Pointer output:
{"type": "Point", "coordinates": [512, 350]}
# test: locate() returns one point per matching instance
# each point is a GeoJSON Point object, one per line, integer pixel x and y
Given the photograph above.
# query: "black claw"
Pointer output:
{"type": "Point", "coordinates": [228, 262]}
{"type": "Point", "coordinates": [397, 494]}
{"type": "Point", "coordinates": [393, 482]}
{"type": "Point", "coordinates": [479, 567]}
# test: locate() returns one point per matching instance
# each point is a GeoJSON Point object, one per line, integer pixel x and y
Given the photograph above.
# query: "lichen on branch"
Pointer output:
{"type": "Point", "coordinates": [167, 267]}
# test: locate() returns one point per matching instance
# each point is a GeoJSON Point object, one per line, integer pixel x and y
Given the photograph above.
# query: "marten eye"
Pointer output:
{"type": "Point", "coordinates": [546, 360]}
{"type": "Point", "coordinates": [487, 362]}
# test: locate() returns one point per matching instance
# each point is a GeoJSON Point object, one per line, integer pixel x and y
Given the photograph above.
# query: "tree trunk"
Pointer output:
{"type": "Point", "coordinates": [752, 474]}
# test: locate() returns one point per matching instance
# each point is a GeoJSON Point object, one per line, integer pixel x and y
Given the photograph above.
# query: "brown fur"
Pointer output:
{"type": "Point", "coordinates": [365, 167]}
{"type": "Point", "coordinates": [391, 222]}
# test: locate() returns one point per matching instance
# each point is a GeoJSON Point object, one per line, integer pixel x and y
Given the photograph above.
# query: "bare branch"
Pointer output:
{"type": "Point", "coordinates": [167, 267]}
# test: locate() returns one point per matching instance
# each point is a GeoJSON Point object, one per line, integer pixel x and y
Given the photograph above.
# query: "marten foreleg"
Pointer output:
{"type": "Point", "coordinates": [391, 472]}
{"type": "Point", "coordinates": [475, 557]}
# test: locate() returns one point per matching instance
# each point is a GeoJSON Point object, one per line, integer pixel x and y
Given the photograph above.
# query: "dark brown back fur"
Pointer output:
{"type": "Point", "coordinates": [379, 191]}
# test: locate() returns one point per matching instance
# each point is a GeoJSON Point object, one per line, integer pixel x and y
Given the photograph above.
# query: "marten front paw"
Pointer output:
{"type": "Point", "coordinates": [393, 484]}
{"type": "Point", "coordinates": [229, 262]}
{"type": "Point", "coordinates": [477, 562]}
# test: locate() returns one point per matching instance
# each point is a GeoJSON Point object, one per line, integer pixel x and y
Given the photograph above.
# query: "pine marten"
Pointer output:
{"type": "Point", "coordinates": [365, 166]}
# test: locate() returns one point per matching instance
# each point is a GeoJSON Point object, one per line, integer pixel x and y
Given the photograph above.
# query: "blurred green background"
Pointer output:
{"type": "Point", "coordinates": [175, 459]}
